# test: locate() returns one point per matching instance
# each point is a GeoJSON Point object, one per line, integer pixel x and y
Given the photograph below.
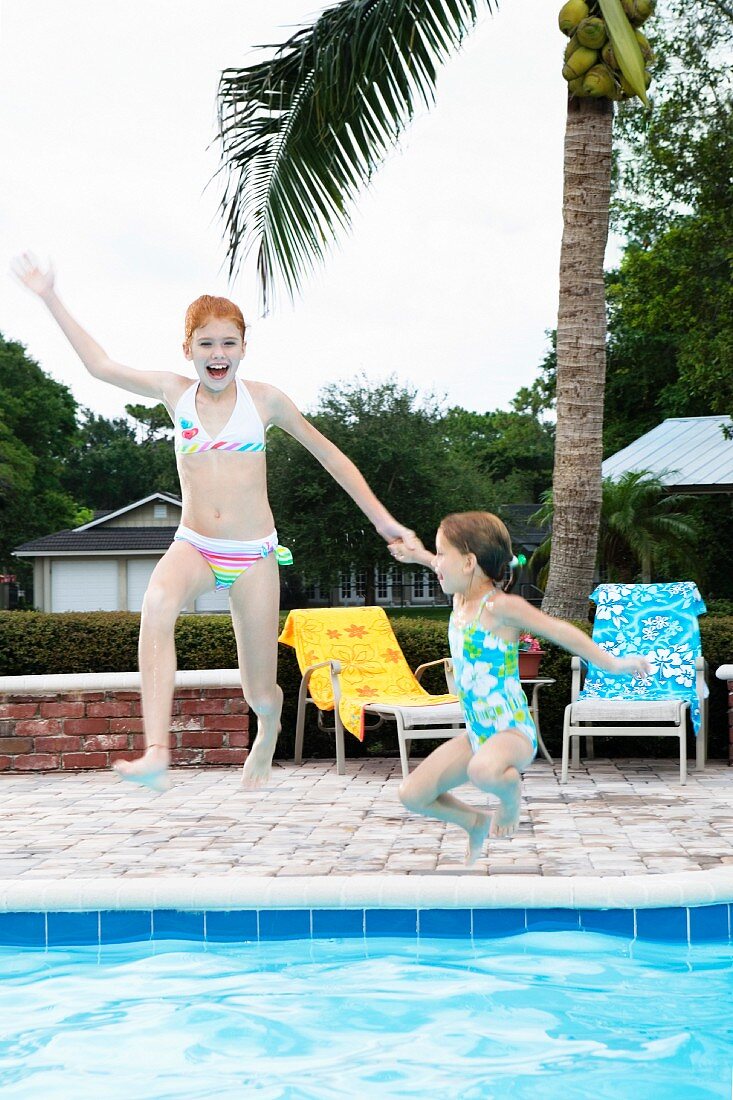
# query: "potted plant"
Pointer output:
{"type": "Point", "coordinates": [530, 655]}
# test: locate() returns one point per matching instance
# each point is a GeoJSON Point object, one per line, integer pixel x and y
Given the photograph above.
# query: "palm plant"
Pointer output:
{"type": "Point", "coordinates": [303, 130]}
{"type": "Point", "coordinates": [641, 526]}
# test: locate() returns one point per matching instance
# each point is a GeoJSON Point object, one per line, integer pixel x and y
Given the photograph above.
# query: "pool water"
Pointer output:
{"type": "Point", "coordinates": [539, 1015]}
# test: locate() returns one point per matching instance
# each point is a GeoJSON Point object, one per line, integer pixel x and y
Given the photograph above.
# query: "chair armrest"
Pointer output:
{"type": "Point", "coordinates": [447, 664]}
{"type": "Point", "coordinates": [701, 678]}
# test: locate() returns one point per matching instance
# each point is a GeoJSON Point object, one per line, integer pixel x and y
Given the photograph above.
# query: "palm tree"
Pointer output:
{"type": "Point", "coordinates": [641, 525]}
{"type": "Point", "coordinates": [304, 130]}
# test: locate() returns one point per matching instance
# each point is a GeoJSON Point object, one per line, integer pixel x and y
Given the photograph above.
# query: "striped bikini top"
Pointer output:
{"type": "Point", "coordinates": [244, 431]}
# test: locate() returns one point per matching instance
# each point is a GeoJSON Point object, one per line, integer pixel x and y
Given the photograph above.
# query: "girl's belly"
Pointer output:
{"type": "Point", "coordinates": [225, 495]}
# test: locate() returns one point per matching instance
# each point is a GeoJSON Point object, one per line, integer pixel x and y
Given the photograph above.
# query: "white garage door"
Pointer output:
{"type": "Point", "coordinates": [217, 600]}
{"type": "Point", "coordinates": [84, 586]}
{"type": "Point", "coordinates": [139, 571]}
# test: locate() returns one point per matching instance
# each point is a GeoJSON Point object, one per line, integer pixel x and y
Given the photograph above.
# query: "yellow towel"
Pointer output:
{"type": "Point", "coordinates": [373, 667]}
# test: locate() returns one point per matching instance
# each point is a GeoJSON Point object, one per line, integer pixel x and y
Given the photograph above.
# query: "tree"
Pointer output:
{"type": "Point", "coordinates": [303, 130]}
{"type": "Point", "coordinates": [512, 450]}
{"type": "Point", "coordinates": [107, 468]}
{"type": "Point", "coordinates": [37, 429]}
{"type": "Point", "coordinates": [398, 442]}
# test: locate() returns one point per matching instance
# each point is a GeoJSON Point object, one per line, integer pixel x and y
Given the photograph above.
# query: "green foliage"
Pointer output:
{"type": "Point", "coordinates": [34, 643]}
{"type": "Point", "coordinates": [108, 468]}
{"type": "Point", "coordinates": [642, 528]}
{"type": "Point", "coordinates": [513, 451]}
{"type": "Point", "coordinates": [155, 420]}
{"type": "Point", "coordinates": [398, 444]}
{"type": "Point", "coordinates": [304, 130]}
{"type": "Point", "coordinates": [37, 428]}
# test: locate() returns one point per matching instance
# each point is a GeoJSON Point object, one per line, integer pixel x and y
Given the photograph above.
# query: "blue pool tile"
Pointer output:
{"type": "Point", "coordinates": [126, 926]}
{"type": "Point", "coordinates": [338, 922]}
{"type": "Point", "coordinates": [709, 922]}
{"type": "Point", "coordinates": [67, 929]}
{"type": "Point", "coordinates": [174, 924]}
{"type": "Point", "coordinates": [497, 922]}
{"type": "Point", "coordinates": [662, 924]}
{"type": "Point", "coordinates": [445, 922]}
{"type": "Point", "coordinates": [232, 926]}
{"type": "Point", "coordinates": [552, 920]}
{"type": "Point", "coordinates": [23, 930]}
{"type": "Point", "coordinates": [611, 922]}
{"type": "Point", "coordinates": [285, 924]}
{"type": "Point", "coordinates": [390, 922]}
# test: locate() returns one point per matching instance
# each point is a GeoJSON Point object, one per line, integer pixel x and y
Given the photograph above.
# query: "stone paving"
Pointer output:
{"type": "Point", "coordinates": [613, 818]}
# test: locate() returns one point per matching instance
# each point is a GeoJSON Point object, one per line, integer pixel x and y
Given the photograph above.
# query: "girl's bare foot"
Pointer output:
{"type": "Point", "coordinates": [258, 765]}
{"type": "Point", "coordinates": [150, 770]}
{"type": "Point", "coordinates": [505, 818]}
{"type": "Point", "coordinates": [477, 837]}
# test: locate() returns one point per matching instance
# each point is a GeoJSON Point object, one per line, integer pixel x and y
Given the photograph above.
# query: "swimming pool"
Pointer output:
{"type": "Point", "coordinates": [536, 1014]}
{"type": "Point", "coordinates": [367, 986]}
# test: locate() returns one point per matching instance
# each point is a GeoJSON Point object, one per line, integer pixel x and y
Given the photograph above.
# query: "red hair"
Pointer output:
{"type": "Point", "coordinates": [207, 307]}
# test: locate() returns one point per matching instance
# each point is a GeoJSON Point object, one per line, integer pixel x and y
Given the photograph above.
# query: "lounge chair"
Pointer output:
{"type": "Point", "coordinates": [660, 621]}
{"type": "Point", "coordinates": [351, 664]}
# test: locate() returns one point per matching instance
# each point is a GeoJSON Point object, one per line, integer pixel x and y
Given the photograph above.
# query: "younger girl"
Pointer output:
{"type": "Point", "coordinates": [473, 559]}
{"type": "Point", "coordinates": [227, 536]}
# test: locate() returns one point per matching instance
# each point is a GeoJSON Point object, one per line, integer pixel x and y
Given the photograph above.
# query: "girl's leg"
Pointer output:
{"type": "Point", "coordinates": [497, 768]}
{"type": "Point", "coordinates": [255, 603]}
{"type": "Point", "coordinates": [179, 577]}
{"type": "Point", "coordinates": [425, 792]}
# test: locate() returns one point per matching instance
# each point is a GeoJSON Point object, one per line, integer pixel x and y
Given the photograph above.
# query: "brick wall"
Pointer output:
{"type": "Point", "coordinates": [92, 729]}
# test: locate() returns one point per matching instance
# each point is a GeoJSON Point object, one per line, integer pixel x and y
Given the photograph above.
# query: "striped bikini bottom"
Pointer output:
{"type": "Point", "coordinates": [228, 560]}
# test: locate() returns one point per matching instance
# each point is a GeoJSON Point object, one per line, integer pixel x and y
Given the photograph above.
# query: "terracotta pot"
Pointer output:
{"type": "Point", "coordinates": [529, 665]}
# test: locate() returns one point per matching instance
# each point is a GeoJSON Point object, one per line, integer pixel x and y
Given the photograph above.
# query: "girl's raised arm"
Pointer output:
{"type": "Point", "coordinates": [516, 612]}
{"type": "Point", "coordinates": [285, 414]}
{"type": "Point", "coordinates": [161, 385]}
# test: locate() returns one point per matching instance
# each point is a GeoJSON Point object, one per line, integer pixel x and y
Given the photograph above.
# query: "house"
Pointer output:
{"type": "Point", "coordinates": [105, 565]}
{"type": "Point", "coordinates": [689, 454]}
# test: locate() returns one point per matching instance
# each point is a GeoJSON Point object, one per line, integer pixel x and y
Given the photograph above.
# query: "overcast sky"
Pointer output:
{"type": "Point", "coordinates": [448, 279]}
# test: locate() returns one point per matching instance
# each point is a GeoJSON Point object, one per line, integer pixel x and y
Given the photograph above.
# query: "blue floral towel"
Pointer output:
{"type": "Point", "coordinates": [658, 620]}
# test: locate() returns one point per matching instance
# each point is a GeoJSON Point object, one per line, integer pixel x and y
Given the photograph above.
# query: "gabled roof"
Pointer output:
{"type": "Point", "coordinates": [689, 453]}
{"type": "Point", "coordinates": [113, 540]}
{"type": "Point", "coordinates": [104, 517]}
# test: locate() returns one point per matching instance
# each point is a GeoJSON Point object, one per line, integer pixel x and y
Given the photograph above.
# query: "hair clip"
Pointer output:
{"type": "Point", "coordinates": [518, 559]}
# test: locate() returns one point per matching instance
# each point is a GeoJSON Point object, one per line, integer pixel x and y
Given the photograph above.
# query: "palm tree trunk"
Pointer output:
{"type": "Point", "coordinates": [581, 357]}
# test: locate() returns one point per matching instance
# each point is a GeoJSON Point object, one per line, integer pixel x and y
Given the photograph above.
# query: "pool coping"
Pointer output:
{"type": "Point", "coordinates": [454, 891]}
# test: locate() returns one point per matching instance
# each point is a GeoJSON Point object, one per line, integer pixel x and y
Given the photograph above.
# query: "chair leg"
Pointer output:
{"type": "Point", "coordinates": [589, 750]}
{"type": "Point", "coordinates": [565, 745]}
{"type": "Point", "coordinates": [683, 753]}
{"type": "Point", "coordinates": [340, 749]}
{"type": "Point", "coordinates": [300, 723]}
{"type": "Point", "coordinates": [403, 746]}
{"type": "Point", "coordinates": [576, 749]}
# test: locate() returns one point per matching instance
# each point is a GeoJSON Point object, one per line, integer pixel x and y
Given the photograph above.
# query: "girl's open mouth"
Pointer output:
{"type": "Point", "coordinates": [217, 372]}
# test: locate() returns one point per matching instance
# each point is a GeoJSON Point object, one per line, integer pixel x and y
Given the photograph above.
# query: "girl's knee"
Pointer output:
{"type": "Point", "coordinates": [159, 607]}
{"type": "Point", "coordinates": [266, 702]}
{"type": "Point", "coordinates": [410, 797]}
{"type": "Point", "coordinates": [487, 773]}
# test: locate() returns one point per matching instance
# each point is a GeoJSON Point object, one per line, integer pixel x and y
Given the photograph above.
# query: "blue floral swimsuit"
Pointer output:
{"type": "Point", "coordinates": [487, 682]}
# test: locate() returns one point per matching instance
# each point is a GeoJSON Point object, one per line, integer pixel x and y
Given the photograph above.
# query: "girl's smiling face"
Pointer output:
{"type": "Point", "coordinates": [216, 350]}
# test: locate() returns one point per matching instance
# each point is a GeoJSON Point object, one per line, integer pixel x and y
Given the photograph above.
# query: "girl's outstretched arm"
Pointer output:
{"type": "Point", "coordinates": [416, 553]}
{"type": "Point", "coordinates": [285, 414]}
{"type": "Point", "coordinates": [516, 612]}
{"type": "Point", "coordinates": [160, 385]}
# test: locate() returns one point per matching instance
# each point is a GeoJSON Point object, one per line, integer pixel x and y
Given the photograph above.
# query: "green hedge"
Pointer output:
{"type": "Point", "coordinates": [34, 643]}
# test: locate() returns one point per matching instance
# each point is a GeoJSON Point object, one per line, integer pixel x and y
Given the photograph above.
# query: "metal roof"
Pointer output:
{"type": "Point", "coordinates": [688, 453]}
{"type": "Point", "coordinates": [99, 540]}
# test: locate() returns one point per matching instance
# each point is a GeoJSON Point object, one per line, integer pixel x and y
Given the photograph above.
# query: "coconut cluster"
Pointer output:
{"type": "Point", "coordinates": [591, 68]}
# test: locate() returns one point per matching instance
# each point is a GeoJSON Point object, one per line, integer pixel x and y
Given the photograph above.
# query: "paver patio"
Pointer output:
{"type": "Point", "coordinates": [617, 817]}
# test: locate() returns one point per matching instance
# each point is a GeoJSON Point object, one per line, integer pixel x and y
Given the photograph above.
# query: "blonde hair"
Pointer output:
{"type": "Point", "coordinates": [207, 307]}
{"type": "Point", "coordinates": [482, 534]}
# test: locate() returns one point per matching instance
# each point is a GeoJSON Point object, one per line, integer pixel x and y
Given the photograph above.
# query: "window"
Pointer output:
{"type": "Point", "coordinates": [383, 584]}
{"type": "Point", "coordinates": [345, 586]}
{"type": "Point", "coordinates": [361, 584]}
{"type": "Point", "coordinates": [418, 585]}
{"type": "Point", "coordinates": [160, 511]}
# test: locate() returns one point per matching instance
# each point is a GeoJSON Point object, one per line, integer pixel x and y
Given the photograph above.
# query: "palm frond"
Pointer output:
{"type": "Point", "coordinates": [303, 131]}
